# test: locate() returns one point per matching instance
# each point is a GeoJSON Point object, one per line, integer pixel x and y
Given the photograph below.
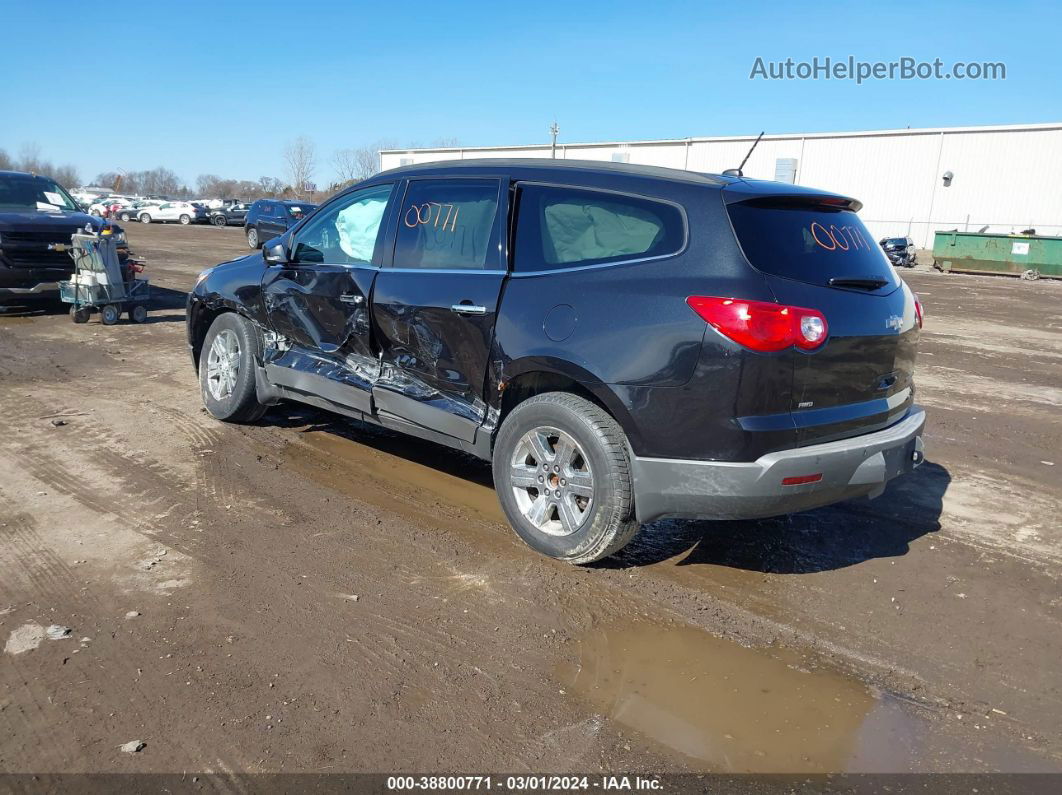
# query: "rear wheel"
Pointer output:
{"type": "Point", "coordinates": [252, 237]}
{"type": "Point", "coordinates": [219, 220]}
{"type": "Point", "coordinates": [185, 219]}
{"type": "Point", "coordinates": [124, 216]}
{"type": "Point", "coordinates": [562, 474]}
{"type": "Point", "coordinates": [80, 314]}
{"type": "Point", "coordinates": [138, 313]}
{"type": "Point", "coordinates": [145, 218]}
{"type": "Point", "coordinates": [226, 370]}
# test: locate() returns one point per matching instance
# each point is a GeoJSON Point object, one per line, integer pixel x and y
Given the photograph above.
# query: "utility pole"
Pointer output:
{"type": "Point", "coordinates": [553, 130]}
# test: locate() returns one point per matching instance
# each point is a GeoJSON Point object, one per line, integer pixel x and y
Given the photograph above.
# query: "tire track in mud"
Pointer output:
{"type": "Point", "coordinates": [204, 442]}
{"type": "Point", "coordinates": [35, 719]}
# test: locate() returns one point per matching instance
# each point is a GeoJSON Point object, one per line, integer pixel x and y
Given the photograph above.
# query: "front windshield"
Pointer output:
{"type": "Point", "coordinates": [21, 192]}
{"type": "Point", "coordinates": [896, 242]}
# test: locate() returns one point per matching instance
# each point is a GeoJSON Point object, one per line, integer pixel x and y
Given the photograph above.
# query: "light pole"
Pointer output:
{"type": "Point", "coordinates": [553, 130]}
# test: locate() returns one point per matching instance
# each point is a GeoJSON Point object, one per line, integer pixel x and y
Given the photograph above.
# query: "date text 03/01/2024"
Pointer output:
{"type": "Point", "coordinates": [523, 783]}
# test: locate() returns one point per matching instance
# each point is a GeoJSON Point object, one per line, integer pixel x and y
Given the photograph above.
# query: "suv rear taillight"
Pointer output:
{"type": "Point", "coordinates": [919, 313]}
{"type": "Point", "coordinates": [761, 325]}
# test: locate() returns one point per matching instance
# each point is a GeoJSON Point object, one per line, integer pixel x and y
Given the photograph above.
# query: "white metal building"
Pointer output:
{"type": "Point", "coordinates": [1008, 178]}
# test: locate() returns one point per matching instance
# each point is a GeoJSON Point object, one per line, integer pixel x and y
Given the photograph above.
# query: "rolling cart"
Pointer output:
{"type": "Point", "coordinates": [100, 282]}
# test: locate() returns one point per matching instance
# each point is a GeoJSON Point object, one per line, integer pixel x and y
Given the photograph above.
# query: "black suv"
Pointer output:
{"type": "Point", "coordinates": [899, 250]}
{"type": "Point", "coordinates": [623, 342]}
{"type": "Point", "coordinates": [234, 214]}
{"type": "Point", "coordinates": [37, 218]}
{"type": "Point", "coordinates": [271, 217]}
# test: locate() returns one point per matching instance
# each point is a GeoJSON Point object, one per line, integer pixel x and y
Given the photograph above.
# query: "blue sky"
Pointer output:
{"type": "Point", "coordinates": [219, 88]}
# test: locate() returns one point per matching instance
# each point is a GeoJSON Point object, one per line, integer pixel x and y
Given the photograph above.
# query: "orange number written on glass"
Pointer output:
{"type": "Point", "coordinates": [837, 238]}
{"type": "Point", "coordinates": [432, 213]}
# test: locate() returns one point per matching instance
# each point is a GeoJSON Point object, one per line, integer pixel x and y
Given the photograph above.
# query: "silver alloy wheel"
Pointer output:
{"type": "Point", "coordinates": [223, 364]}
{"type": "Point", "coordinates": [252, 237]}
{"type": "Point", "coordinates": [552, 482]}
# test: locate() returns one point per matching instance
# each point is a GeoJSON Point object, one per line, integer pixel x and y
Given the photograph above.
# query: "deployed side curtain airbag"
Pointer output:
{"type": "Point", "coordinates": [574, 231]}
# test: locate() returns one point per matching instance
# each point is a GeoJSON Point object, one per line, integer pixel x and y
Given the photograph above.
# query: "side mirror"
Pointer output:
{"type": "Point", "coordinates": [275, 252]}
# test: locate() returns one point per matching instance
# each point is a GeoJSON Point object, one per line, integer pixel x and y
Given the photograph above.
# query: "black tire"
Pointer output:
{"type": "Point", "coordinates": [219, 220]}
{"type": "Point", "coordinates": [110, 314]}
{"type": "Point", "coordinates": [138, 313]}
{"type": "Point", "coordinates": [80, 314]}
{"type": "Point", "coordinates": [241, 405]}
{"type": "Point", "coordinates": [254, 240]}
{"type": "Point", "coordinates": [610, 523]}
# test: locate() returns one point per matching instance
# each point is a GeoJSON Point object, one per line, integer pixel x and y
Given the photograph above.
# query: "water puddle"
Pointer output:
{"type": "Point", "coordinates": [722, 707]}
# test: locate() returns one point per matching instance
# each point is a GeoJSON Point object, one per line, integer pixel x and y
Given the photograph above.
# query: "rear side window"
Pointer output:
{"type": "Point", "coordinates": [808, 243]}
{"type": "Point", "coordinates": [447, 224]}
{"type": "Point", "coordinates": [571, 227]}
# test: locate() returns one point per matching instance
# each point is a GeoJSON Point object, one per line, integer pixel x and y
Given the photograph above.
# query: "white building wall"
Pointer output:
{"type": "Point", "coordinates": [1007, 178]}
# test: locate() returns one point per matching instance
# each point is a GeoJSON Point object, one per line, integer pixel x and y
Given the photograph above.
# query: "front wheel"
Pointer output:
{"type": "Point", "coordinates": [110, 314]}
{"type": "Point", "coordinates": [185, 219]}
{"type": "Point", "coordinates": [252, 237]}
{"type": "Point", "coordinates": [562, 474]}
{"type": "Point", "coordinates": [219, 220]}
{"type": "Point", "coordinates": [226, 370]}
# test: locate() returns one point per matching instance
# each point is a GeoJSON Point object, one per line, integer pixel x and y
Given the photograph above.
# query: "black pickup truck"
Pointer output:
{"type": "Point", "coordinates": [37, 218]}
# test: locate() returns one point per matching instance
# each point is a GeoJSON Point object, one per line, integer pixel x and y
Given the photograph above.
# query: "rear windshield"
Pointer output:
{"type": "Point", "coordinates": [808, 243]}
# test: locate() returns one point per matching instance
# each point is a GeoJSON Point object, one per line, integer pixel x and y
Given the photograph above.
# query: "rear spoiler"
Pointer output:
{"type": "Point", "coordinates": [776, 194]}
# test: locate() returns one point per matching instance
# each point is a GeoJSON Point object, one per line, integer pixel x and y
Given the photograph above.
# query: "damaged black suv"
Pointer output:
{"type": "Point", "coordinates": [37, 218]}
{"type": "Point", "coordinates": [623, 342]}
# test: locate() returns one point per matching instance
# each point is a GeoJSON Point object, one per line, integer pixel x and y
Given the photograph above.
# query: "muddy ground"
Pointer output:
{"type": "Point", "coordinates": [308, 594]}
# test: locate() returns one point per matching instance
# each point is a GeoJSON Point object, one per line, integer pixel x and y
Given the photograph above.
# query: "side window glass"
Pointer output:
{"type": "Point", "coordinates": [346, 233]}
{"type": "Point", "coordinates": [571, 227]}
{"type": "Point", "coordinates": [447, 224]}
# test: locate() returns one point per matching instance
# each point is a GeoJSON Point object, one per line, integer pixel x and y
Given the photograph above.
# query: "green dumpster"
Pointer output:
{"type": "Point", "coordinates": [1031, 256]}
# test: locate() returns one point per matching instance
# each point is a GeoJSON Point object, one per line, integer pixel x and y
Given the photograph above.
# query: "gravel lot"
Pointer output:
{"type": "Point", "coordinates": [308, 594]}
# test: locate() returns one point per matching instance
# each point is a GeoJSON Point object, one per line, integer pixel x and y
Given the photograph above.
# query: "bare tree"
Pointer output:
{"type": "Point", "coordinates": [66, 176]}
{"type": "Point", "coordinates": [300, 157]}
{"type": "Point", "coordinates": [6, 162]}
{"type": "Point", "coordinates": [29, 157]}
{"type": "Point", "coordinates": [353, 165]}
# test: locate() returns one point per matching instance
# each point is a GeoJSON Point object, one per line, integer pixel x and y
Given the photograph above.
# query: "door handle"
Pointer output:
{"type": "Point", "coordinates": [351, 298]}
{"type": "Point", "coordinates": [468, 309]}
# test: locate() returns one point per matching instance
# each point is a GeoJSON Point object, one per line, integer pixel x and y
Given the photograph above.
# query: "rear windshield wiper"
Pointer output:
{"type": "Point", "coordinates": [862, 282]}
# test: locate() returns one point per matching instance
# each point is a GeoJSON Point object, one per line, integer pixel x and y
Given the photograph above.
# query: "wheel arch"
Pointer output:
{"type": "Point", "coordinates": [201, 316]}
{"type": "Point", "coordinates": [527, 378]}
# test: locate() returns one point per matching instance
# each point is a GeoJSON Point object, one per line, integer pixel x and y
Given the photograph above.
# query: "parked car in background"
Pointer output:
{"type": "Point", "coordinates": [624, 343]}
{"type": "Point", "coordinates": [202, 212]}
{"type": "Point", "coordinates": [37, 218]}
{"type": "Point", "coordinates": [268, 218]}
{"type": "Point", "coordinates": [899, 250]}
{"type": "Point", "coordinates": [108, 207]}
{"type": "Point", "coordinates": [131, 212]}
{"type": "Point", "coordinates": [230, 215]}
{"type": "Point", "coordinates": [182, 212]}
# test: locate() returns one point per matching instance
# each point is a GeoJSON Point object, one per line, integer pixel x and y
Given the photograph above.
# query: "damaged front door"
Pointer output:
{"type": "Point", "coordinates": [318, 302]}
{"type": "Point", "coordinates": [435, 308]}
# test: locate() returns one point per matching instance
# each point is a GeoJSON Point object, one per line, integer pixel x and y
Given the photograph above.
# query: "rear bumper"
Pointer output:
{"type": "Point", "coordinates": [857, 467]}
